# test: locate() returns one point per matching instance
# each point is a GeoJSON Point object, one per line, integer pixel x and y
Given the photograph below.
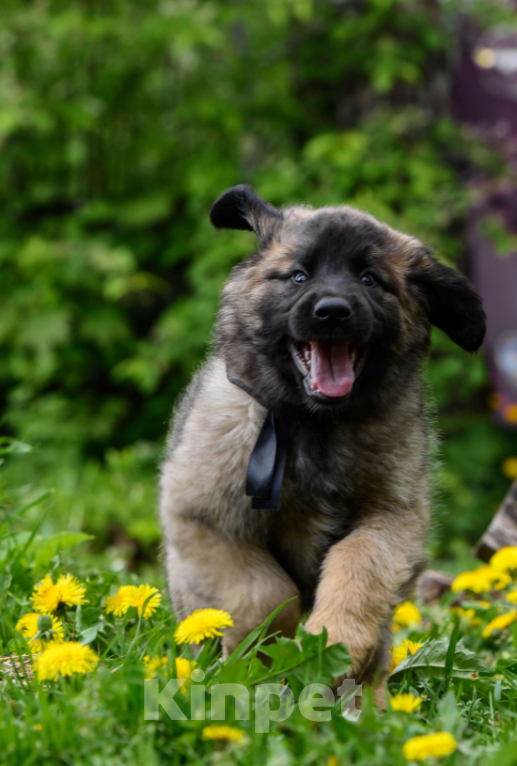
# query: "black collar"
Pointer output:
{"type": "Point", "coordinates": [265, 473]}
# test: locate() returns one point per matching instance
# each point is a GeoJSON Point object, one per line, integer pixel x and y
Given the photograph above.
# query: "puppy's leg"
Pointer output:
{"type": "Point", "coordinates": [363, 577]}
{"type": "Point", "coordinates": [205, 569]}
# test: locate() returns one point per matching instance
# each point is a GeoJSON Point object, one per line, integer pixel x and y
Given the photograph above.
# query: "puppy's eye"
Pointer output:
{"type": "Point", "coordinates": [300, 277]}
{"type": "Point", "coordinates": [368, 280]}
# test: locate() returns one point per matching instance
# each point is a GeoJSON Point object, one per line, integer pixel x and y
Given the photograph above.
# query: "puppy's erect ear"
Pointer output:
{"type": "Point", "coordinates": [241, 208]}
{"type": "Point", "coordinates": [450, 301]}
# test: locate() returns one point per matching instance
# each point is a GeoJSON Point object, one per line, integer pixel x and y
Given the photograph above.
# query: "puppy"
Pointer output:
{"type": "Point", "coordinates": [297, 466]}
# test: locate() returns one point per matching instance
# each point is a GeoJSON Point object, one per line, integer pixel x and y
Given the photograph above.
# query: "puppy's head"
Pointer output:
{"type": "Point", "coordinates": [334, 308]}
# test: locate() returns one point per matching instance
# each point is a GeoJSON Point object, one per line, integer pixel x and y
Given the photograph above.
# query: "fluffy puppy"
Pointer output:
{"type": "Point", "coordinates": [323, 330]}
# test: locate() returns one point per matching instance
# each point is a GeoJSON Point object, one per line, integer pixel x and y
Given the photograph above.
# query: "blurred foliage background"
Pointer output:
{"type": "Point", "coordinates": [121, 121]}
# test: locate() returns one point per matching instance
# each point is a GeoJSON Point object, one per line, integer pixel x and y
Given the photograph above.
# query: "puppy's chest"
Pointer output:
{"type": "Point", "coordinates": [330, 479]}
{"type": "Point", "coordinates": [328, 469]}
{"type": "Point", "coordinates": [323, 491]}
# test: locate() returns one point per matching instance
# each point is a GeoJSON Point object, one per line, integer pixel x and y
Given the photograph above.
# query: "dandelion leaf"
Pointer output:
{"type": "Point", "coordinates": [430, 661]}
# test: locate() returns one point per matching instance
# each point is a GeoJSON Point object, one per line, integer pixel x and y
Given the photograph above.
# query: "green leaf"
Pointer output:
{"type": "Point", "coordinates": [449, 659]}
{"type": "Point", "coordinates": [257, 634]}
{"type": "Point", "coordinates": [324, 661]}
{"type": "Point", "coordinates": [507, 665]}
{"type": "Point", "coordinates": [430, 661]}
{"type": "Point", "coordinates": [5, 580]}
{"type": "Point", "coordinates": [10, 446]}
{"type": "Point", "coordinates": [45, 548]}
{"type": "Point", "coordinates": [450, 713]}
{"type": "Point", "coordinates": [306, 659]}
{"type": "Point", "coordinates": [285, 653]}
{"type": "Point", "coordinates": [89, 634]}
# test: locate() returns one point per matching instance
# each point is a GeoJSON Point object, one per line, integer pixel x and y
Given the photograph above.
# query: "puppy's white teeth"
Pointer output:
{"type": "Point", "coordinates": [304, 356]}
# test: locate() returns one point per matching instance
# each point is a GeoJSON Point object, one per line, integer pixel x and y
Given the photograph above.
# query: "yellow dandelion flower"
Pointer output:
{"type": "Point", "coordinates": [184, 667]}
{"type": "Point", "coordinates": [406, 703]}
{"type": "Point", "coordinates": [512, 597]}
{"type": "Point", "coordinates": [201, 624]}
{"type": "Point", "coordinates": [500, 623]}
{"type": "Point", "coordinates": [120, 602]}
{"type": "Point", "coordinates": [406, 615]}
{"type": "Point", "coordinates": [38, 727]}
{"type": "Point", "coordinates": [401, 651]}
{"type": "Point", "coordinates": [65, 659]}
{"type": "Point", "coordinates": [438, 745]}
{"type": "Point", "coordinates": [71, 592]}
{"type": "Point", "coordinates": [228, 733]}
{"type": "Point", "coordinates": [28, 627]}
{"type": "Point", "coordinates": [47, 597]}
{"type": "Point", "coordinates": [134, 595]}
{"type": "Point", "coordinates": [505, 559]}
{"type": "Point", "coordinates": [153, 665]}
{"type": "Point", "coordinates": [509, 468]}
{"type": "Point", "coordinates": [479, 580]}
{"type": "Point", "coordinates": [140, 595]}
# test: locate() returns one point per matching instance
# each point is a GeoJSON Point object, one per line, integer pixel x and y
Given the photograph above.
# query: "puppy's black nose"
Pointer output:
{"type": "Point", "coordinates": [333, 311]}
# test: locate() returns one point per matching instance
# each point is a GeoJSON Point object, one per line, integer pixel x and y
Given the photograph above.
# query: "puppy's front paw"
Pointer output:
{"type": "Point", "coordinates": [316, 623]}
{"type": "Point", "coordinates": [359, 644]}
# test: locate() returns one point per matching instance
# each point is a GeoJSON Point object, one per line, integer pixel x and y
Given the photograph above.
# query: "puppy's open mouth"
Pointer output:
{"type": "Point", "coordinates": [329, 367]}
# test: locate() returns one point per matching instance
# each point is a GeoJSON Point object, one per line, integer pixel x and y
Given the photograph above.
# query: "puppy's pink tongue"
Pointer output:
{"type": "Point", "coordinates": [332, 368]}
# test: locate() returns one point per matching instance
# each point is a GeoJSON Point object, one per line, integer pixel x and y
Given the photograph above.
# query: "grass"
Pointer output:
{"type": "Point", "coordinates": [467, 681]}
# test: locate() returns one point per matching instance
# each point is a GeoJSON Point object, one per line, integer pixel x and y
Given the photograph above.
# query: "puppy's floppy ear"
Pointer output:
{"type": "Point", "coordinates": [241, 208]}
{"type": "Point", "coordinates": [450, 301]}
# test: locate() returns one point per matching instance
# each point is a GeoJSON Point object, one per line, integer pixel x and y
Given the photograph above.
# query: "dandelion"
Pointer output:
{"type": "Point", "coordinates": [201, 624]}
{"type": "Point", "coordinates": [71, 592]}
{"type": "Point", "coordinates": [184, 667]}
{"type": "Point", "coordinates": [47, 597]}
{"type": "Point", "coordinates": [500, 623]}
{"type": "Point", "coordinates": [505, 559]}
{"type": "Point", "coordinates": [134, 595]}
{"type": "Point", "coordinates": [119, 603]}
{"type": "Point", "coordinates": [28, 627]}
{"type": "Point", "coordinates": [509, 468]}
{"type": "Point", "coordinates": [512, 597]}
{"type": "Point", "coordinates": [479, 580]}
{"type": "Point", "coordinates": [65, 660]}
{"type": "Point", "coordinates": [154, 665]}
{"type": "Point", "coordinates": [438, 745]}
{"type": "Point", "coordinates": [406, 703]}
{"type": "Point", "coordinates": [228, 733]}
{"type": "Point", "coordinates": [401, 651]}
{"type": "Point", "coordinates": [143, 594]}
{"type": "Point", "coordinates": [406, 615]}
